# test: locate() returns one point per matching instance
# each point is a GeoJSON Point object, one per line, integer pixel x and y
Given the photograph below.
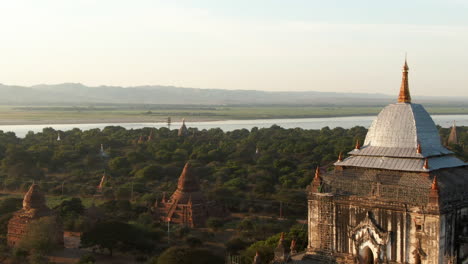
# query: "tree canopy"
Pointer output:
{"type": "Point", "coordinates": [187, 255]}
{"type": "Point", "coordinates": [114, 235]}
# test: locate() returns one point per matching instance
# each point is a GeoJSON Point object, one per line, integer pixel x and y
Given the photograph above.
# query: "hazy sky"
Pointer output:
{"type": "Point", "coordinates": [343, 46]}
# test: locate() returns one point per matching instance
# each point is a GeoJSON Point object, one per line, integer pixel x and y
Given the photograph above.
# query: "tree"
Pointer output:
{"type": "Point", "coordinates": [73, 207]}
{"type": "Point", "coordinates": [120, 166]}
{"type": "Point", "coordinates": [235, 245]}
{"type": "Point", "coordinates": [123, 193]}
{"type": "Point", "coordinates": [151, 172]}
{"type": "Point", "coordinates": [193, 242]}
{"type": "Point", "coordinates": [87, 259]}
{"type": "Point", "coordinates": [105, 235]}
{"type": "Point", "coordinates": [214, 223]}
{"type": "Point", "coordinates": [119, 210]}
{"type": "Point", "coordinates": [186, 255]}
{"type": "Point", "coordinates": [38, 258]}
{"type": "Point", "coordinates": [71, 212]}
{"type": "Point", "coordinates": [5, 253]}
{"type": "Point", "coordinates": [114, 235]}
{"type": "Point", "coordinates": [9, 205]}
{"type": "Point", "coordinates": [266, 247]}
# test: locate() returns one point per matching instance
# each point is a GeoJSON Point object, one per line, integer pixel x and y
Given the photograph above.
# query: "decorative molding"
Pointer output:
{"type": "Point", "coordinates": [366, 233]}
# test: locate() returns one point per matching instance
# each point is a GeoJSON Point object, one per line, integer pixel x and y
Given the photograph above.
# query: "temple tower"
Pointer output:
{"type": "Point", "coordinates": [183, 131]}
{"type": "Point", "coordinates": [400, 197]}
{"type": "Point", "coordinates": [453, 138]}
{"type": "Point", "coordinates": [187, 205]}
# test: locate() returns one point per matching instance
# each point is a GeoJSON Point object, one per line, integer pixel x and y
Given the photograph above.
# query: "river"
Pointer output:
{"type": "Point", "coordinates": [229, 125]}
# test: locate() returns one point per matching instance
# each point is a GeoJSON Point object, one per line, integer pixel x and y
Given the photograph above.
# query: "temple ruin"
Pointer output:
{"type": "Point", "coordinates": [187, 205]}
{"type": "Point", "coordinates": [34, 207]}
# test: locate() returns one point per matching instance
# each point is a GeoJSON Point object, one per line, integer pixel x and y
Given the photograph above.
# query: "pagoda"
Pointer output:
{"type": "Point", "coordinates": [102, 182]}
{"type": "Point", "coordinates": [183, 131]}
{"type": "Point", "coordinates": [400, 197]}
{"type": "Point", "coordinates": [187, 205]}
{"type": "Point", "coordinates": [281, 252]}
{"type": "Point", "coordinates": [453, 138]}
{"type": "Point", "coordinates": [34, 207]}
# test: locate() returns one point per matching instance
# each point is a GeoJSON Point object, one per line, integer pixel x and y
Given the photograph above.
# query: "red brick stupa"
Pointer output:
{"type": "Point", "coordinates": [34, 207]}
{"type": "Point", "coordinates": [187, 205]}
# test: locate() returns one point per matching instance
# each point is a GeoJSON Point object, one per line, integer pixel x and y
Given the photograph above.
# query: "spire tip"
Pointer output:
{"type": "Point", "coordinates": [404, 96]}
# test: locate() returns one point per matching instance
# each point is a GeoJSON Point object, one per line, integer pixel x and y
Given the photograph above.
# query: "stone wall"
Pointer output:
{"type": "Point", "coordinates": [390, 232]}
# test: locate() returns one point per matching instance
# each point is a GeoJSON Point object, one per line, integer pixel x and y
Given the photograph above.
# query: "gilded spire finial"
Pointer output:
{"type": "Point", "coordinates": [404, 96]}
{"type": "Point", "coordinates": [453, 138]}
{"type": "Point", "coordinates": [257, 258]}
{"type": "Point", "coordinates": [317, 173]}
{"type": "Point", "coordinates": [426, 164]}
{"type": "Point", "coordinates": [435, 185]}
{"type": "Point", "coordinates": [340, 157]}
{"type": "Point", "coordinates": [418, 149]}
{"type": "Point", "coordinates": [357, 146]}
{"type": "Point", "coordinates": [292, 248]}
{"type": "Point", "coordinates": [316, 182]}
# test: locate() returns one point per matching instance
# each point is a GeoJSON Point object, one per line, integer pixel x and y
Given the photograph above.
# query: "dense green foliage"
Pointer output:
{"type": "Point", "coordinates": [228, 164]}
{"type": "Point", "coordinates": [254, 173]}
{"type": "Point", "coordinates": [87, 259]}
{"type": "Point", "coordinates": [117, 235]}
{"type": "Point", "coordinates": [267, 246]}
{"type": "Point", "coordinates": [187, 255]}
{"type": "Point", "coordinates": [71, 213]}
{"type": "Point", "coordinates": [7, 207]}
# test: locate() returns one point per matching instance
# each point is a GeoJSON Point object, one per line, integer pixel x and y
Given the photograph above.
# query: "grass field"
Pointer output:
{"type": "Point", "coordinates": [10, 115]}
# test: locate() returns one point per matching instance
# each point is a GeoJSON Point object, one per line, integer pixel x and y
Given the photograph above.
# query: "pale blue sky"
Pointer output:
{"type": "Point", "coordinates": [342, 46]}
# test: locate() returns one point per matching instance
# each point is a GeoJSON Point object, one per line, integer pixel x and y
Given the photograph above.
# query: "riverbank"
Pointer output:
{"type": "Point", "coordinates": [26, 115]}
{"type": "Point", "coordinates": [230, 125]}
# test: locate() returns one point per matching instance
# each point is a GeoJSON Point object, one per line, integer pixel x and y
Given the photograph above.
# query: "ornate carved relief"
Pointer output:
{"type": "Point", "coordinates": [368, 235]}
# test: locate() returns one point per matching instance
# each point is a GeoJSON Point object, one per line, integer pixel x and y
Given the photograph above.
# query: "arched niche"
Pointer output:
{"type": "Point", "coordinates": [369, 236]}
{"type": "Point", "coordinates": [366, 256]}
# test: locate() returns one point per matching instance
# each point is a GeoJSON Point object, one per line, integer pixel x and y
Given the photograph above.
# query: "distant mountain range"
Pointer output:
{"type": "Point", "coordinates": [75, 93]}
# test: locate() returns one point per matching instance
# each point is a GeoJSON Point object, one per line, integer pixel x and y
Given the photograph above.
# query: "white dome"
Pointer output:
{"type": "Point", "coordinates": [402, 137]}
{"type": "Point", "coordinates": [392, 142]}
{"type": "Point", "coordinates": [404, 126]}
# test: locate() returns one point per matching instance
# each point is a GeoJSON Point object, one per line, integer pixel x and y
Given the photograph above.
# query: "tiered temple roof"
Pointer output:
{"type": "Point", "coordinates": [187, 205]}
{"type": "Point", "coordinates": [188, 187]}
{"type": "Point", "coordinates": [403, 137]}
{"type": "Point", "coordinates": [400, 158]}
